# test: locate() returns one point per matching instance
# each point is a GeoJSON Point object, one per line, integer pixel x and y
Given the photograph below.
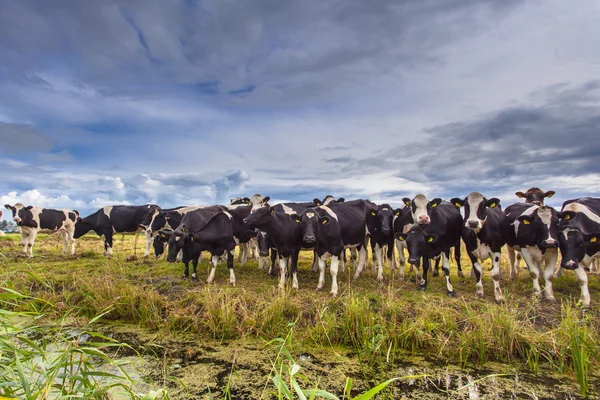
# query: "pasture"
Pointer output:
{"type": "Point", "coordinates": [200, 340]}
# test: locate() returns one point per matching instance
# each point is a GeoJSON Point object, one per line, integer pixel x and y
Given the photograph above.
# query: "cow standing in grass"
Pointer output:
{"type": "Point", "coordinates": [32, 220]}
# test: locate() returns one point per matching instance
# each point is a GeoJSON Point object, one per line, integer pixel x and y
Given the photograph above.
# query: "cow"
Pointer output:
{"type": "Point", "coordinates": [435, 238]}
{"type": "Point", "coordinates": [264, 245]}
{"type": "Point", "coordinates": [32, 220]}
{"type": "Point", "coordinates": [114, 219]}
{"type": "Point", "coordinates": [285, 233]}
{"type": "Point", "coordinates": [334, 228]}
{"type": "Point", "coordinates": [486, 229]}
{"type": "Point", "coordinates": [380, 223]}
{"type": "Point", "coordinates": [535, 234]}
{"type": "Point", "coordinates": [534, 196]}
{"type": "Point", "coordinates": [244, 237]}
{"type": "Point", "coordinates": [402, 224]}
{"type": "Point", "coordinates": [205, 229]}
{"type": "Point", "coordinates": [579, 239]}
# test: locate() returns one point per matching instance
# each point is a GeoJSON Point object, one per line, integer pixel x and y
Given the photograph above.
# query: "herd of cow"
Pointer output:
{"type": "Point", "coordinates": [427, 229]}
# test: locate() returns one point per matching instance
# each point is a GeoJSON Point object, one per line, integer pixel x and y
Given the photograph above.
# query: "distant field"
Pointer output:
{"type": "Point", "coordinates": [378, 324]}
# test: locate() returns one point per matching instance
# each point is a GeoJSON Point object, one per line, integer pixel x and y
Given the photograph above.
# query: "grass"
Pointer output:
{"type": "Point", "coordinates": [374, 320]}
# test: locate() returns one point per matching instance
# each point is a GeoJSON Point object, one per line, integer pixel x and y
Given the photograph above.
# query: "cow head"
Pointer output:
{"type": "Point", "coordinates": [310, 225]}
{"type": "Point", "coordinates": [574, 244]}
{"type": "Point", "coordinates": [263, 243]}
{"type": "Point", "coordinates": [381, 218]}
{"type": "Point", "coordinates": [257, 202]}
{"type": "Point", "coordinates": [159, 243]}
{"type": "Point", "coordinates": [540, 228]}
{"type": "Point", "coordinates": [329, 199]}
{"type": "Point", "coordinates": [15, 211]}
{"type": "Point", "coordinates": [238, 201]}
{"type": "Point", "coordinates": [476, 209]}
{"type": "Point", "coordinates": [177, 239]}
{"type": "Point", "coordinates": [260, 218]}
{"type": "Point", "coordinates": [420, 207]}
{"type": "Point", "coordinates": [535, 196]}
{"type": "Point", "coordinates": [416, 241]}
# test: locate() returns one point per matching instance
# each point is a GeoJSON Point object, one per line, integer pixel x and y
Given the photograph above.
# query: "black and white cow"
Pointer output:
{"type": "Point", "coordinates": [264, 246]}
{"type": "Point", "coordinates": [334, 228]}
{"type": "Point", "coordinates": [442, 232]}
{"type": "Point", "coordinates": [244, 237]}
{"type": "Point", "coordinates": [579, 239]}
{"type": "Point", "coordinates": [205, 229]}
{"type": "Point", "coordinates": [32, 220]}
{"type": "Point", "coordinates": [535, 234]}
{"type": "Point", "coordinates": [534, 196]}
{"type": "Point", "coordinates": [380, 223]}
{"type": "Point", "coordinates": [115, 219]}
{"type": "Point", "coordinates": [402, 224]}
{"type": "Point", "coordinates": [486, 230]}
{"type": "Point", "coordinates": [285, 233]}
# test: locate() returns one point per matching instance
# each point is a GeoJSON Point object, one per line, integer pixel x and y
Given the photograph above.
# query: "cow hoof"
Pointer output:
{"type": "Point", "coordinates": [551, 300]}
{"type": "Point", "coordinates": [319, 288]}
{"type": "Point", "coordinates": [451, 293]}
{"type": "Point", "coordinates": [379, 279]}
{"type": "Point", "coordinates": [436, 273]}
{"type": "Point", "coordinates": [232, 283]}
{"type": "Point", "coordinates": [422, 288]}
{"type": "Point", "coordinates": [184, 276]}
{"type": "Point", "coordinates": [333, 294]}
{"type": "Point", "coordinates": [209, 282]}
{"type": "Point", "coordinates": [479, 294]}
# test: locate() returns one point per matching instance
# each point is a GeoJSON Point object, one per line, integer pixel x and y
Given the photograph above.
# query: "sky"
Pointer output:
{"type": "Point", "coordinates": [187, 102]}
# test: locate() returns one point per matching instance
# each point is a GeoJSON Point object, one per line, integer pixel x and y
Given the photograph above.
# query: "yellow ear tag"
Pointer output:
{"type": "Point", "coordinates": [192, 238]}
{"type": "Point", "coordinates": [397, 213]}
{"type": "Point", "coordinates": [430, 240]}
{"type": "Point", "coordinates": [434, 205]}
{"type": "Point", "coordinates": [526, 222]}
{"type": "Point", "coordinates": [318, 203]}
{"type": "Point", "coordinates": [593, 240]}
{"type": "Point", "coordinates": [492, 205]}
{"type": "Point", "coordinates": [297, 220]}
{"type": "Point", "coordinates": [457, 204]}
{"type": "Point", "coordinates": [324, 222]}
{"type": "Point", "coordinates": [401, 239]}
{"type": "Point", "coordinates": [567, 216]}
{"type": "Point", "coordinates": [272, 211]}
{"type": "Point", "coordinates": [182, 229]}
{"type": "Point", "coordinates": [373, 213]}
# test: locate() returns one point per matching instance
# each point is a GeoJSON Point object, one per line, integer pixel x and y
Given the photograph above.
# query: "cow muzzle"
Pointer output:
{"type": "Point", "coordinates": [473, 224]}
{"type": "Point", "coordinates": [571, 265]}
{"type": "Point", "coordinates": [550, 244]}
{"type": "Point", "coordinates": [413, 260]}
{"type": "Point", "coordinates": [17, 219]}
{"type": "Point", "coordinates": [309, 239]}
{"type": "Point", "coordinates": [423, 220]}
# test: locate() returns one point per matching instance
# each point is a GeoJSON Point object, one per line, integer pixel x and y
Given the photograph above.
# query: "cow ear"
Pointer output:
{"type": "Point", "coordinates": [493, 202]}
{"type": "Point", "coordinates": [431, 238]}
{"type": "Point", "coordinates": [266, 199]}
{"type": "Point", "coordinates": [324, 220]}
{"type": "Point", "coordinates": [435, 202]}
{"type": "Point", "coordinates": [567, 215]}
{"type": "Point", "coordinates": [271, 210]}
{"type": "Point", "coordinates": [397, 212]}
{"type": "Point", "coordinates": [592, 237]}
{"type": "Point", "coordinates": [246, 200]}
{"type": "Point", "coordinates": [520, 194]}
{"type": "Point", "coordinates": [28, 208]}
{"type": "Point", "coordinates": [79, 219]}
{"type": "Point", "coordinates": [373, 213]}
{"type": "Point", "coordinates": [401, 237]}
{"type": "Point", "coordinates": [406, 201]}
{"type": "Point", "coordinates": [525, 219]}
{"type": "Point", "coordinates": [457, 202]}
{"type": "Point", "coordinates": [549, 193]}
{"type": "Point", "coordinates": [341, 200]}
{"type": "Point", "coordinates": [295, 217]}
{"type": "Point", "coordinates": [76, 212]}
{"type": "Point", "coordinates": [165, 234]}
{"type": "Point", "coordinates": [317, 202]}
{"type": "Point", "coordinates": [8, 207]}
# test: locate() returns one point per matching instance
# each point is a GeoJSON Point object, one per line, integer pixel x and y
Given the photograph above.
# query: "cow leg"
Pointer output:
{"type": "Point", "coordinates": [335, 260]}
{"type": "Point", "coordinates": [24, 240]}
{"type": "Point", "coordinates": [402, 258]}
{"type": "Point", "coordinates": [195, 268]}
{"type": "Point", "coordinates": [230, 266]}
{"type": "Point", "coordinates": [65, 242]}
{"type": "Point", "coordinates": [436, 270]}
{"type": "Point", "coordinates": [496, 276]}
{"type": "Point", "coordinates": [594, 266]}
{"type": "Point", "coordinates": [322, 265]}
{"type": "Point", "coordinates": [342, 261]}
{"type": "Point", "coordinates": [186, 268]}
{"type": "Point", "coordinates": [31, 242]}
{"type": "Point", "coordinates": [241, 249]}
{"type": "Point", "coordinates": [294, 268]}
{"type": "Point", "coordinates": [362, 257]}
{"type": "Point", "coordinates": [213, 268]}
{"type": "Point", "coordinates": [273, 262]}
{"type": "Point", "coordinates": [377, 252]}
{"type": "Point", "coordinates": [534, 271]}
{"type": "Point", "coordinates": [446, 269]}
{"type": "Point", "coordinates": [550, 258]}
{"type": "Point", "coordinates": [457, 259]}
{"type": "Point", "coordinates": [282, 271]}
{"type": "Point", "coordinates": [108, 243]}
{"type": "Point", "coordinates": [315, 263]}
{"type": "Point", "coordinates": [149, 239]}
{"type": "Point", "coordinates": [476, 270]}
{"type": "Point", "coordinates": [582, 280]}
{"type": "Point", "coordinates": [511, 259]}
{"type": "Point", "coordinates": [423, 284]}
{"type": "Point", "coordinates": [391, 255]}
{"type": "Point", "coordinates": [246, 254]}
{"type": "Point", "coordinates": [353, 257]}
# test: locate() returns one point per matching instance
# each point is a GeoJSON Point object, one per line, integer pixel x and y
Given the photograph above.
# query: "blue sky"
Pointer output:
{"type": "Point", "coordinates": [195, 102]}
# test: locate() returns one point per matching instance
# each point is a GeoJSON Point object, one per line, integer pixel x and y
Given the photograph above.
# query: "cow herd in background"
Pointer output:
{"type": "Point", "coordinates": [426, 229]}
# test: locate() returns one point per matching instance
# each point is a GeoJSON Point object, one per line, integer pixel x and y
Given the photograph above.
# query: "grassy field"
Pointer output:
{"type": "Point", "coordinates": [375, 321]}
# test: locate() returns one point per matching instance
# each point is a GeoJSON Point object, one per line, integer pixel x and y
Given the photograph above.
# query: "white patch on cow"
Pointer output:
{"type": "Point", "coordinates": [482, 252]}
{"type": "Point", "coordinates": [580, 208]}
{"type": "Point", "coordinates": [287, 209]}
{"type": "Point", "coordinates": [420, 215]}
{"type": "Point", "coordinates": [310, 214]}
{"type": "Point", "coordinates": [330, 212]}
{"type": "Point", "coordinates": [228, 215]}
{"type": "Point", "coordinates": [527, 212]}
{"type": "Point", "coordinates": [107, 210]}
{"type": "Point", "coordinates": [327, 200]}
{"type": "Point", "coordinates": [177, 238]}
{"type": "Point", "coordinates": [154, 215]}
{"type": "Point", "coordinates": [474, 199]}
{"type": "Point", "coordinates": [257, 201]}
{"type": "Point", "coordinates": [545, 215]}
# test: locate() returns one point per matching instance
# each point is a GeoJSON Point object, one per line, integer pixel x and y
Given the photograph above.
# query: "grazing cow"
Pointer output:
{"type": "Point", "coordinates": [402, 224]}
{"type": "Point", "coordinates": [534, 196]}
{"type": "Point", "coordinates": [285, 233]}
{"type": "Point", "coordinates": [442, 232]}
{"type": "Point", "coordinates": [32, 220]}
{"type": "Point", "coordinates": [579, 240]}
{"type": "Point", "coordinates": [380, 223]}
{"type": "Point", "coordinates": [333, 228]}
{"type": "Point", "coordinates": [486, 230]}
{"type": "Point", "coordinates": [164, 219]}
{"type": "Point", "coordinates": [264, 245]}
{"type": "Point", "coordinates": [205, 229]}
{"type": "Point", "coordinates": [114, 219]}
{"type": "Point", "coordinates": [535, 234]}
{"type": "Point", "coordinates": [244, 237]}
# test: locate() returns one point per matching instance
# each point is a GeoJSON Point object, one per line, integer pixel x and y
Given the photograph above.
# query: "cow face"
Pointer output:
{"type": "Point", "coordinates": [263, 243]}
{"type": "Point", "coordinates": [382, 218]}
{"type": "Point", "coordinates": [311, 222]}
{"type": "Point", "coordinates": [257, 202]}
{"type": "Point", "coordinates": [81, 228]}
{"type": "Point", "coordinates": [535, 196]}
{"type": "Point", "coordinates": [260, 218]}
{"type": "Point", "coordinates": [476, 209]}
{"type": "Point", "coordinates": [572, 247]}
{"type": "Point", "coordinates": [416, 241]}
{"type": "Point", "coordinates": [177, 240]}
{"type": "Point", "coordinates": [15, 211]}
{"type": "Point", "coordinates": [418, 207]}
{"type": "Point", "coordinates": [540, 228]}
{"type": "Point", "coordinates": [238, 201]}
{"type": "Point", "coordinates": [159, 243]}
{"type": "Point", "coordinates": [329, 199]}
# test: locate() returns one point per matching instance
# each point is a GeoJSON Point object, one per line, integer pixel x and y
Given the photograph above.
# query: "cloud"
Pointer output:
{"type": "Point", "coordinates": [22, 139]}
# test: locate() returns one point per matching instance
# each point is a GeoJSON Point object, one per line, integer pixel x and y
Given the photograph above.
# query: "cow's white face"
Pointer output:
{"type": "Point", "coordinates": [475, 212]}
{"type": "Point", "coordinates": [545, 215]}
{"type": "Point", "coordinates": [16, 209]}
{"type": "Point", "coordinates": [257, 201]}
{"type": "Point", "coordinates": [419, 210]}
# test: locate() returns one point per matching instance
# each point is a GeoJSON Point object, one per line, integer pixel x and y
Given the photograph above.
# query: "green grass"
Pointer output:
{"type": "Point", "coordinates": [375, 320]}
